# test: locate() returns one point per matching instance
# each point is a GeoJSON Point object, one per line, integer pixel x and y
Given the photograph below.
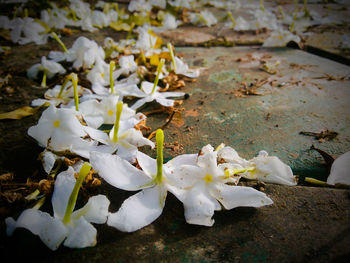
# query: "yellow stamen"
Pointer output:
{"type": "Point", "coordinates": [110, 112]}
{"type": "Point", "coordinates": [56, 123]}
{"type": "Point", "coordinates": [208, 178]}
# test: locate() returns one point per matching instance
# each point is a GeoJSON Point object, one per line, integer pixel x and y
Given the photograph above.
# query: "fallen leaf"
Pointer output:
{"type": "Point", "coordinates": [18, 113]}
{"type": "Point", "coordinates": [21, 112]}
{"type": "Point", "coordinates": [323, 135]}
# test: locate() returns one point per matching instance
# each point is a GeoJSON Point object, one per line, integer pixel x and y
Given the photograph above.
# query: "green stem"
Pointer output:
{"type": "Point", "coordinates": [84, 171]}
{"type": "Point", "coordinates": [282, 13]}
{"type": "Point", "coordinates": [306, 11]}
{"type": "Point", "coordinates": [262, 7]}
{"type": "Point", "coordinates": [43, 82]}
{"type": "Point", "coordinates": [63, 86]}
{"type": "Point", "coordinates": [39, 203]}
{"type": "Point", "coordinates": [159, 69]}
{"type": "Point", "coordinates": [75, 88]}
{"type": "Point", "coordinates": [54, 35]}
{"type": "Point", "coordinates": [117, 120]}
{"type": "Point", "coordinates": [160, 141]}
{"type": "Point", "coordinates": [170, 47]}
{"type": "Point", "coordinates": [25, 12]}
{"type": "Point", "coordinates": [315, 181]}
{"type": "Point", "coordinates": [111, 80]}
{"type": "Point", "coordinates": [234, 23]}
{"type": "Point", "coordinates": [32, 195]}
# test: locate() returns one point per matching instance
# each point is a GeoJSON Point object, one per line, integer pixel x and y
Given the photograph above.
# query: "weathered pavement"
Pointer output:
{"type": "Point", "coordinates": [237, 103]}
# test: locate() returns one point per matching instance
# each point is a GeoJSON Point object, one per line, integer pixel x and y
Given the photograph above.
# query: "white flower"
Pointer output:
{"type": "Point", "coordinates": [75, 230]}
{"type": "Point", "coordinates": [123, 137]}
{"type": "Point", "coordinates": [158, 3]}
{"type": "Point", "coordinates": [180, 3]}
{"type": "Point", "coordinates": [340, 170]}
{"type": "Point", "coordinates": [147, 205]}
{"type": "Point", "coordinates": [205, 17]}
{"type": "Point", "coordinates": [280, 38]}
{"type": "Point", "coordinates": [50, 67]}
{"type": "Point", "coordinates": [96, 113]}
{"type": "Point", "coordinates": [26, 30]}
{"type": "Point", "coordinates": [100, 74]}
{"type": "Point", "coordinates": [145, 40]}
{"type": "Point", "coordinates": [84, 53]}
{"type": "Point", "coordinates": [127, 65]}
{"type": "Point", "coordinates": [160, 97]}
{"type": "Point", "coordinates": [265, 19]}
{"type": "Point", "coordinates": [60, 130]}
{"type": "Point", "coordinates": [139, 5]}
{"type": "Point", "coordinates": [169, 22]}
{"type": "Point", "coordinates": [182, 68]}
{"type": "Point", "coordinates": [57, 96]}
{"type": "Point", "coordinates": [264, 168]}
{"type": "Point", "coordinates": [205, 188]}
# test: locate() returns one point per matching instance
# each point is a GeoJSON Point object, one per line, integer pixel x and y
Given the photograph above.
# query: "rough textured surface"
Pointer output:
{"type": "Point", "coordinates": [304, 224]}
{"type": "Point", "coordinates": [234, 102]}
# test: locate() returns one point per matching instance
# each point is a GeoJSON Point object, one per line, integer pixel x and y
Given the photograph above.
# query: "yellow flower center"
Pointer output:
{"type": "Point", "coordinates": [208, 178]}
{"type": "Point", "coordinates": [102, 75]}
{"type": "Point", "coordinates": [280, 37]}
{"type": "Point", "coordinates": [56, 123]}
{"type": "Point", "coordinates": [110, 112]}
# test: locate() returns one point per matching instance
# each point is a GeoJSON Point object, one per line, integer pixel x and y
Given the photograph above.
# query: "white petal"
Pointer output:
{"type": "Point", "coordinates": [118, 172]}
{"type": "Point", "coordinates": [141, 102]}
{"type": "Point", "coordinates": [171, 94]}
{"type": "Point", "coordinates": [50, 230]}
{"type": "Point", "coordinates": [95, 211]}
{"type": "Point", "coordinates": [41, 132]}
{"type": "Point", "coordinates": [64, 185]}
{"type": "Point", "coordinates": [340, 170]}
{"type": "Point", "coordinates": [81, 235]}
{"type": "Point", "coordinates": [235, 196]}
{"type": "Point", "coordinates": [209, 163]}
{"type": "Point", "coordinates": [230, 155]}
{"type": "Point", "coordinates": [200, 206]}
{"type": "Point", "coordinates": [184, 159]}
{"type": "Point", "coordinates": [127, 152]}
{"type": "Point", "coordinates": [139, 210]}
{"type": "Point", "coordinates": [53, 233]}
{"type": "Point", "coordinates": [165, 102]}
{"type": "Point", "coordinates": [147, 164]}
{"type": "Point", "coordinates": [49, 160]}
{"type": "Point", "coordinates": [271, 169]}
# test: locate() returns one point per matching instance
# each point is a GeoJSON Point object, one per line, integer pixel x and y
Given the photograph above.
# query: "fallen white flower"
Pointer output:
{"type": "Point", "coordinates": [205, 188]}
{"type": "Point", "coordinates": [74, 228]}
{"type": "Point", "coordinates": [339, 173]}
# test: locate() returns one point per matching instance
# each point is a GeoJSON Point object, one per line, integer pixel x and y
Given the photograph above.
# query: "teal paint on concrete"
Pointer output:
{"type": "Point", "coordinates": [305, 103]}
{"type": "Point", "coordinates": [225, 76]}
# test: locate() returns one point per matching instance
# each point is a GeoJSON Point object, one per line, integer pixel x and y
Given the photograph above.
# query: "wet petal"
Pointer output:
{"type": "Point", "coordinates": [64, 185]}
{"type": "Point", "coordinates": [139, 210]}
{"type": "Point", "coordinates": [50, 230]}
{"type": "Point", "coordinates": [81, 235]}
{"type": "Point", "coordinates": [200, 206]}
{"type": "Point", "coordinates": [340, 170]}
{"type": "Point", "coordinates": [147, 164]}
{"type": "Point", "coordinates": [95, 211]}
{"type": "Point", "coordinates": [118, 172]}
{"type": "Point", "coordinates": [235, 196]}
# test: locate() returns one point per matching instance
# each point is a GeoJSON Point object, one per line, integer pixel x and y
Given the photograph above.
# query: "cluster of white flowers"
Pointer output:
{"type": "Point", "coordinates": [75, 122]}
{"type": "Point", "coordinates": [284, 27]}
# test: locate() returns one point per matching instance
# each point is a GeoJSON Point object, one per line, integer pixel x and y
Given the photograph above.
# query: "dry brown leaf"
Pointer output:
{"type": "Point", "coordinates": [18, 113]}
